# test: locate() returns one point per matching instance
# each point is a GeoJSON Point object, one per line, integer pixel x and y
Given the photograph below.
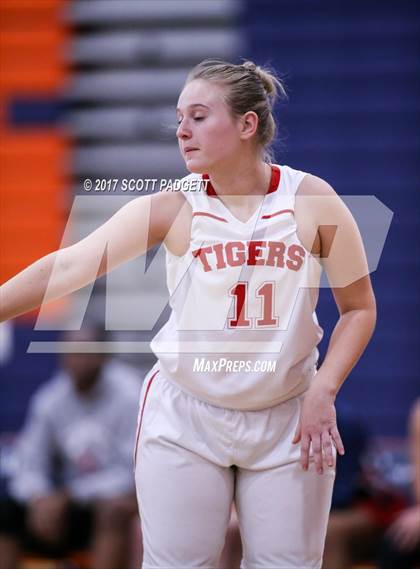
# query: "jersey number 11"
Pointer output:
{"type": "Point", "coordinates": [240, 294]}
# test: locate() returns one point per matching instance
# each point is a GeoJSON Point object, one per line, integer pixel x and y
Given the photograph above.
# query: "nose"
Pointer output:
{"type": "Point", "coordinates": [183, 132]}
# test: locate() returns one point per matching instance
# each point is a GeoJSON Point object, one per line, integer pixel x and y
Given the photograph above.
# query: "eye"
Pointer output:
{"type": "Point", "coordinates": [199, 118]}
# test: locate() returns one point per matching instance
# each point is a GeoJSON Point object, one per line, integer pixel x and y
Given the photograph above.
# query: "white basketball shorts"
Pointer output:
{"type": "Point", "coordinates": [186, 483]}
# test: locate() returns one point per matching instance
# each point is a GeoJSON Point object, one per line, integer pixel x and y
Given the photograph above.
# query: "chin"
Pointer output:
{"type": "Point", "coordinates": [196, 167]}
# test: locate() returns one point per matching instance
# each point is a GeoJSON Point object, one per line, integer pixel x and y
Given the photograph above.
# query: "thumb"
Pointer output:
{"type": "Point", "coordinates": [297, 435]}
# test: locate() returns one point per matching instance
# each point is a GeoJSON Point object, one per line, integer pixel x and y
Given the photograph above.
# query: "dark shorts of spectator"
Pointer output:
{"type": "Point", "coordinates": [79, 526]}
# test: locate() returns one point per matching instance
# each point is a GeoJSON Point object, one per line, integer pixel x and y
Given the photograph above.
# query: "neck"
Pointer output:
{"type": "Point", "coordinates": [242, 177]}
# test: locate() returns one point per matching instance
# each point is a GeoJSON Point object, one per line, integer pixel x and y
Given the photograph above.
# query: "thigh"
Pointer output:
{"type": "Point", "coordinates": [184, 502]}
{"type": "Point", "coordinates": [184, 496]}
{"type": "Point", "coordinates": [283, 515]}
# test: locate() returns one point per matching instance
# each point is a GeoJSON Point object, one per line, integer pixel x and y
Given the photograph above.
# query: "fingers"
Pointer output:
{"type": "Point", "coordinates": [317, 453]}
{"type": "Point", "coordinates": [327, 449]}
{"type": "Point", "coordinates": [337, 440]}
{"type": "Point", "coordinates": [297, 435]}
{"type": "Point", "coordinates": [304, 450]}
{"type": "Point", "coordinates": [322, 448]}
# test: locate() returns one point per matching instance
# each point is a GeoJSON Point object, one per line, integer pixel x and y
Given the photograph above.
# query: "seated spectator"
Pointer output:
{"type": "Point", "coordinates": [351, 525]}
{"type": "Point", "coordinates": [400, 546]}
{"type": "Point", "coordinates": [74, 486]}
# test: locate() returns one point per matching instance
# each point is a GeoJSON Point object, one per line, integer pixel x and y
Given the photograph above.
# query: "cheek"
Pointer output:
{"type": "Point", "coordinates": [222, 131]}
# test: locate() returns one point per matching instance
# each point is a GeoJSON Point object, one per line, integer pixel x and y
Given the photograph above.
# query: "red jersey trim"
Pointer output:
{"type": "Point", "coordinates": [269, 215]}
{"type": "Point", "coordinates": [205, 214]}
{"type": "Point", "coordinates": [273, 186]}
{"type": "Point", "coordinates": [141, 416]}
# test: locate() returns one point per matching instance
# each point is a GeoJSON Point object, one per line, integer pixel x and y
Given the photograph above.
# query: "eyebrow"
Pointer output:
{"type": "Point", "coordinates": [194, 105]}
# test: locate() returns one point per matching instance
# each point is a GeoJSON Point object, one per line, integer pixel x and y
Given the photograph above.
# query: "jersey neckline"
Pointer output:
{"type": "Point", "coordinates": [272, 187]}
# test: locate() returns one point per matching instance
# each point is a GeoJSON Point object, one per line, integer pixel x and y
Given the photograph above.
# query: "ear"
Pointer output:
{"type": "Point", "coordinates": [248, 125]}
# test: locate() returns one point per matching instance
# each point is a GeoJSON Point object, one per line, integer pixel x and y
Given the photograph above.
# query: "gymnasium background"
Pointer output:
{"type": "Point", "coordinates": [88, 91]}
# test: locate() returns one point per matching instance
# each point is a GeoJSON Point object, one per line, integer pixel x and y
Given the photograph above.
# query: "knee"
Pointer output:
{"type": "Point", "coordinates": [46, 517]}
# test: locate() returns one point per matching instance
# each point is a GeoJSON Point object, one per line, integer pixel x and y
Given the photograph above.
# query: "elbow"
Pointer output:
{"type": "Point", "coordinates": [372, 312]}
{"type": "Point", "coordinates": [372, 319]}
{"type": "Point", "coordinates": [364, 318]}
{"type": "Point", "coordinates": [368, 317]}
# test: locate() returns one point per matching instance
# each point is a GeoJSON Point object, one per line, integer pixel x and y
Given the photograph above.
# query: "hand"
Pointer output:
{"type": "Point", "coordinates": [46, 516]}
{"type": "Point", "coordinates": [318, 427]}
{"type": "Point", "coordinates": [405, 531]}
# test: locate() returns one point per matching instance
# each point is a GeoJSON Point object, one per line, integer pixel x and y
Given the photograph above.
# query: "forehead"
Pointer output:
{"type": "Point", "coordinates": [200, 92]}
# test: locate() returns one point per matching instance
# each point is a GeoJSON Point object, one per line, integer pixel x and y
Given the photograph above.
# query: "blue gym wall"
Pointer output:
{"type": "Point", "coordinates": [352, 118]}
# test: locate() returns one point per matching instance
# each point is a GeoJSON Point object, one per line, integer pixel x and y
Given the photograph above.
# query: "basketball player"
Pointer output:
{"type": "Point", "coordinates": [236, 385]}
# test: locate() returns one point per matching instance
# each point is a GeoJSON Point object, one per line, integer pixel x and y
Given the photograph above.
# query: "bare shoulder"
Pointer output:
{"type": "Point", "coordinates": [307, 206]}
{"type": "Point", "coordinates": [171, 216]}
{"type": "Point", "coordinates": [167, 205]}
{"type": "Point", "coordinates": [314, 186]}
{"type": "Point", "coordinates": [319, 204]}
{"type": "Point", "coordinates": [319, 211]}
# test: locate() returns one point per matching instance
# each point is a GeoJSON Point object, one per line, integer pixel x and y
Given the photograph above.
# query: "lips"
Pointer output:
{"type": "Point", "coordinates": [189, 149]}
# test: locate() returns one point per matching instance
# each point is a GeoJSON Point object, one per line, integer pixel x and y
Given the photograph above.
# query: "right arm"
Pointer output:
{"type": "Point", "coordinates": [135, 228]}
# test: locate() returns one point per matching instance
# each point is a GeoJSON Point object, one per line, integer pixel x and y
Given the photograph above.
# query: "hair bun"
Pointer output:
{"type": "Point", "coordinates": [249, 65]}
{"type": "Point", "coordinates": [272, 85]}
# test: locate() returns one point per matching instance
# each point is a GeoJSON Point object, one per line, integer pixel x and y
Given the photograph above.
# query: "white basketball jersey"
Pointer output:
{"type": "Point", "coordinates": [243, 330]}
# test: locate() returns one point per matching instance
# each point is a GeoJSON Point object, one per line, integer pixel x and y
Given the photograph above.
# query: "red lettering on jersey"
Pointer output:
{"type": "Point", "coordinates": [237, 253]}
{"type": "Point", "coordinates": [254, 253]}
{"type": "Point", "coordinates": [266, 292]}
{"type": "Point", "coordinates": [239, 259]}
{"type": "Point", "coordinates": [218, 249]}
{"type": "Point", "coordinates": [240, 293]}
{"type": "Point", "coordinates": [276, 254]}
{"type": "Point", "coordinates": [296, 255]}
{"type": "Point", "coordinates": [201, 254]}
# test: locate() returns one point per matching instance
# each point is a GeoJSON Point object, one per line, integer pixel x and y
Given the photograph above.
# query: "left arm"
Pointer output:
{"type": "Point", "coordinates": [343, 257]}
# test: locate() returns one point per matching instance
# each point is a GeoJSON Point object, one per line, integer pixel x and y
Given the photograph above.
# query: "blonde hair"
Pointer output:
{"type": "Point", "coordinates": [249, 87]}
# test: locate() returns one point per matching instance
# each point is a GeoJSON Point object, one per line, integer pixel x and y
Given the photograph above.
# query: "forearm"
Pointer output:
{"type": "Point", "coordinates": [26, 290]}
{"type": "Point", "coordinates": [348, 342]}
{"type": "Point", "coordinates": [51, 277]}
